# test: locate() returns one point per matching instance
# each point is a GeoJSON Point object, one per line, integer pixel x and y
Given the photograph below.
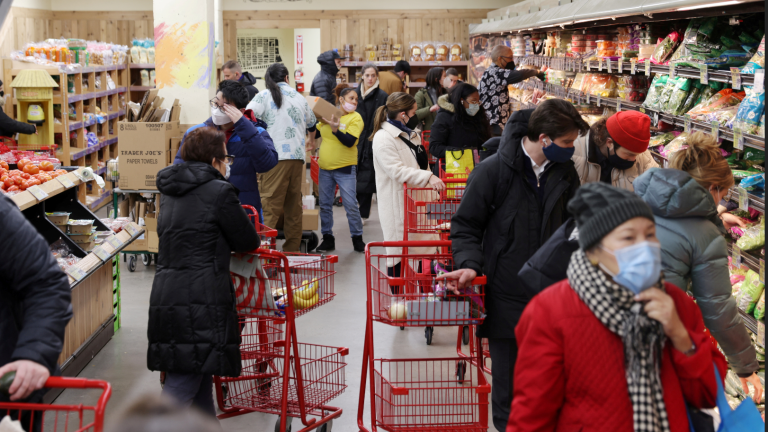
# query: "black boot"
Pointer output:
{"type": "Point", "coordinates": [328, 244]}
{"type": "Point", "coordinates": [358, 244]}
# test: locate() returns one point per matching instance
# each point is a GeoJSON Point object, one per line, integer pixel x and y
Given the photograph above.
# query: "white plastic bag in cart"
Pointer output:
{"type": "Point", "coordinates": [253, 289]}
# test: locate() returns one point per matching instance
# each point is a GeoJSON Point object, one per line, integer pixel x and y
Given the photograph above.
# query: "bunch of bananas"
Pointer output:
{"type": "Point", "coordinates": [306, 295]}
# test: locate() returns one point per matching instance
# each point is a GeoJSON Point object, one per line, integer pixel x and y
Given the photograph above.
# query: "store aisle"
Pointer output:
{"type": "Point", "coordinates": [122, 362]}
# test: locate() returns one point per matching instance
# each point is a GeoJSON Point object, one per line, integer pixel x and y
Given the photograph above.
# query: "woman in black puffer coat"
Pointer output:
{"type": "Point", "coordinates": [369, 98]}
{"type": "Point", "coordinates": [193, 329]}
{"type": "Point", "coordinates": [461, 123]}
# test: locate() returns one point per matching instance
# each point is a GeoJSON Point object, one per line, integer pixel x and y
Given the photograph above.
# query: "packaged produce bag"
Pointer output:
{"type": "Point", "coordinates": [760, 307]}
{"type": "Point", "coordinates": [751, 289]}
{"type": "Point", "coordinates": [750, 111]}
{"type": "Point", "coordinates": [459, 163]}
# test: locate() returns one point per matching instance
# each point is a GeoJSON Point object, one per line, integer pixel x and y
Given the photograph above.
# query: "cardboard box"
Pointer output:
{"type": "Point", "coordinates": [310, 220]}
{"type": "Point", "coordinates": [144, 150]}
{"type": "Point", "coordinates": [153, 242]}
{"type": "Point", "coordinates": [321, 108]}
{"type": "Point", "coordinates": [175, 144]}
{"type": "Point", "coordinates": [306, 187]}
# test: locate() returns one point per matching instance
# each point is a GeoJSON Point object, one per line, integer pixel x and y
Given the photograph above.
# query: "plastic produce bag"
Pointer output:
{"type": "Point", "coordinates": [723, 100]}
{"type": "Point", "coordinates": [654, 92]}
{"type": "Point", "coordinates": [677, 144]}
{"type": "Point", "coordinates": [753, 238]}
{"type": "Point", "coordinates": [750, 111]}
{"type": "Point", "coordinates": [662, 139]}
{"type": "Point", "coordinates": [757, 61]}
{"type": "Point", "coordinates": [751, 289]}
{"type": "Point", "coordinates": [678, 96]}
{"type": "Point", "coordinates": [760, 306]}
{"type": "Point", "coordinates": [665, 48]}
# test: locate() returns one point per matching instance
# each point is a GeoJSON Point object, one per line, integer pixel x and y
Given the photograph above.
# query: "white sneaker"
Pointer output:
{"type": "Point", "coordinates": [364, 220]}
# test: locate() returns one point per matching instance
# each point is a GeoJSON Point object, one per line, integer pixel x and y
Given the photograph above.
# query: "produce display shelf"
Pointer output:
{"type": "Point", "coordinates": [755, 202]}
{"type": "Point", "coordinates": [142, 65]}
{"type": "Point", "coordinates": [78, 125]}
{"type": "Point", "coordinates": [25, 199]}
{"type": "Point", "coordinates": [89, 69]}
{"type": "Point", "coordinates": [753, 141]}
{"type": "Point", "coordinates": [125, 239]}
{"type": "Point", "coordinates": [392, 63]}
{"type": "Point", "coordinates": [750, 322]}
{"type": "Point", "coordinates": [92, 149]}
{"type": "Point", "coordinates": [100, 201]}
{"type": "Point", "coordinates": [747, 259]}
{"type": "Point", "coordinates": [141, 88]}
{"type": "Point", "coordinates": [94, 95]}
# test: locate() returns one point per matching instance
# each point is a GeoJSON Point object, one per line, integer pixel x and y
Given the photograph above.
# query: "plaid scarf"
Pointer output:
{"type": "Point", "coordinates": [643, 339]}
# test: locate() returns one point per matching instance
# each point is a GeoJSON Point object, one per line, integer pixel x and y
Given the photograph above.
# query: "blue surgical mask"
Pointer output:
{"type": "Point", "coordinates": [473, 109]}
{"type": "Point", "coordinates": [555, 153]}
{"type": "Point", "coordinates": [639, 266]}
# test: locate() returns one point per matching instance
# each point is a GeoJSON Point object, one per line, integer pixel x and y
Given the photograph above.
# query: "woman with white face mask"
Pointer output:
{"type": "Point", "coordinates": [613, 347]}
{"type": "Point", "coordinates": [338, 166]}
{"type": "Point", "coordinates": [460, 124]}
{"type": "Point", "coordinates": [694, 252]}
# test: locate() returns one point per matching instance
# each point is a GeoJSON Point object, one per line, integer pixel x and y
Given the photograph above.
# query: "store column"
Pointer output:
{"type": "Point", "coordinates": [185, 55]}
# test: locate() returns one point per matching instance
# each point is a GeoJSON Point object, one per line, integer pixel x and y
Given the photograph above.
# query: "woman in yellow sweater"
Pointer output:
{"type": "Point", "coordinates": [338, 166]}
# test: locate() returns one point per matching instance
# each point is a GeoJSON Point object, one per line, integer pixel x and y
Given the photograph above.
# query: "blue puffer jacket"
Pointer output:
{"type": "Point", "coordinates": [254, 153]}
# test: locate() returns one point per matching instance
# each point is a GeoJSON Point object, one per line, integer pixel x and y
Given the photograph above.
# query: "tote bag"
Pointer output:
{"type": "Point", "coordinates": [744, 418]}
{"type": "Point", "coordinates": [458, 163]}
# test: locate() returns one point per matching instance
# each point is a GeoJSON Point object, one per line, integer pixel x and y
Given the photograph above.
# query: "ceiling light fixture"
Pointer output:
{"type": "Point", "coordinates": [725, 3]}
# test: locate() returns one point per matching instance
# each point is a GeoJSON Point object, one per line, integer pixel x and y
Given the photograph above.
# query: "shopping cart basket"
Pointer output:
{"type": "Point", "coordinates": [429, 212]}
{"type": "Point", "coordinates": [268, 235]}
{"type": "Point", "coordinates": [280, 375]}
{"type": "Point", "coordinates": [420, 394]}
{"type": "Point", "coordinates": [467, 337]}
{"type": "Point", "coordinates": [59, 417]}
{"type": "Point", "coordinates": [425, 143]}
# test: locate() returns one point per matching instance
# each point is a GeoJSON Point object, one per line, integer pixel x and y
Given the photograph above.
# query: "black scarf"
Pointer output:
{"type": "Point", "coordinates": [418, 152]}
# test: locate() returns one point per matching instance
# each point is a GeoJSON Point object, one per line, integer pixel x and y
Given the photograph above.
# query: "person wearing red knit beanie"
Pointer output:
{"type": "Point", "coordinates": [615, 151]}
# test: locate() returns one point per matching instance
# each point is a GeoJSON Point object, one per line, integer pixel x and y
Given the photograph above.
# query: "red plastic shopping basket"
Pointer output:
{"type": "Point", "coordinates": [59, 417]}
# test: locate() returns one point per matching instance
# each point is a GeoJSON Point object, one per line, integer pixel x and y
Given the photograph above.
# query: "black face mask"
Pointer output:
{"type": "Point", "coordinates": [412, 123]}
{"type": "Point", "coordinates": [619, 163]}
{"type": "Point", "coordinates": [2, 94]}
{"type": "Point", "coordinates": [510, 65]}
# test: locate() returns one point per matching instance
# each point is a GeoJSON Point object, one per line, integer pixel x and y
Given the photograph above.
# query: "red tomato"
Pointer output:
{"type": "Point", "coordinates": [25, 176]}
{"type": "Point", "coordinates": [17, 180]}
{"type": "Point", "coordinates": [13, 188]}
{"type": "Point", "coordinates": [4, 165]}
{"type": "Point", "coordinates": [24, 185]}
{"type": "Point", "coordinates": [34, 182]}
{"type": "Point", "coordinates": [14, 172]}
{"type": "Point", "coordinates": [44, 179]}
{"type": "Point", "coordinates": [31, 168]}
{"type": "Point", "coordinates": [21, 163]}
{"type": "Point", "coordinates": [8, 182]}
{"type": "Point", "coordinates": [46, 166]}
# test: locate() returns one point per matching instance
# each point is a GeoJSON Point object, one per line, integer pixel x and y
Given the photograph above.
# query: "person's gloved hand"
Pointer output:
{"type": "Point", "coordinates": [542, 76]}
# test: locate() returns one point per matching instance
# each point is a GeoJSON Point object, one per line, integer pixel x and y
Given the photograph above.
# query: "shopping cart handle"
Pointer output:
{"type": "Point", "coordinates": [480, 280]}
{"type": "Point", "coordinates": [400, 391]}
{"type": "Point", "coordinates": [343, 351]}
{"type": "Point", "coordinates": [483, 388]}
{"type": "Point", "coordinates": [393, 281]}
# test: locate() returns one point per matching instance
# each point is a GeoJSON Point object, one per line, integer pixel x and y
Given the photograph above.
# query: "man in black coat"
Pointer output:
{"type": "Point", "coordinates": [368, 102]}
{"type": "Point", "coordinates": [10, 127]}
{"type": "Point", "coordinates": [513, 203]}
{"type": "Point", "coordinates": [232, 70]}
{"type": "Point", "coordinates": [325, 80]}
{"type": "Point", "coordinates": [35, 305]}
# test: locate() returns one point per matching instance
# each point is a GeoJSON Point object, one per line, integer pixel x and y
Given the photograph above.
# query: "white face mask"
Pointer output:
{"type": "Point", "coordinates": [219, 118]}
{"type": "Point", "coordinates": [228, 170]}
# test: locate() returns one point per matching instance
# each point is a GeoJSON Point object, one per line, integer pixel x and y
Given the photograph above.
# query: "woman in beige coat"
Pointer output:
{"type": "Point", "coordinates": [399, 157]}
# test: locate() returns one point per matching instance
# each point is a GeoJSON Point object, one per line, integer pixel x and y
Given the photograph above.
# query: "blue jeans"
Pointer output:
{"type": "Point", "coordinates": [348, 186]}
{"type": "Point", "coordinates": [191, 389]}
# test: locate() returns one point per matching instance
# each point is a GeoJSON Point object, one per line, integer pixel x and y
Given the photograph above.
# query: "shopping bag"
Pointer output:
{"type": "Point", "coordinates": [253, 290]}
{"type": "Point", "coordinates": [458, 163]}
{"type": "Point", "coordinates": [745, 417]}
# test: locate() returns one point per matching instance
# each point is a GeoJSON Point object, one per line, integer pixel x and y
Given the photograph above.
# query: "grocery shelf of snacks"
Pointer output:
{"type": "Point", "coordinates": [88, 104]}
{"type": "Point", "coordinates": [86, 248]}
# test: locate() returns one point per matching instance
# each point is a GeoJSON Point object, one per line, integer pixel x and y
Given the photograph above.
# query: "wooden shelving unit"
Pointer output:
{"type": "Point", "coordinates": [79, 90]}
{"type": "Point", "coordinates": [418, 71]}
{"type": "Point", "coordinates": [136, 90]}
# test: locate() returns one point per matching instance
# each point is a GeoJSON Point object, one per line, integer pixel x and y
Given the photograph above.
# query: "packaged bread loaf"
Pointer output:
{"type": "Point", "coordinates": [442, 52]}
{"type": "Point", "coordinates": [455, 52]}
{"type": "Point", "coordinates": [416, 52]}
{"type": "Point", "coordinates": [429, 51]}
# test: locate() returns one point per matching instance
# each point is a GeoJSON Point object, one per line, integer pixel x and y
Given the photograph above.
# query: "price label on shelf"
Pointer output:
{"type": "Point", "coordinates": [76, 272]}
{"type": "Point", "coordinates": [618, 105]}
{"type": "Point", "coordinates": [642, 110]}
{"type": "Point", "coordinates": [648, 67]}
{"type": "Point", "coordinates": [743, 198]}
{"type": "Point", "coordinates": [599, 98]}
{"type": "Point", "coordinates": [762, 271]}
{"type": "Point", "coordinates": [672, 69]}
{"type": "Point", "coordinates": [738, 139]}
{"type": "Point", "coordinates": [131, 229]}
{"type": "Point", "coordinates": [38, 193]}
{"type": "Point", "coordinates": [65, 181]}
{"type": "Point", "coordinates": [703, 75]}
{"type": "Point", "coordinates": [632, 67]}
{"type": "Point", "coordinates": [761, 333]}
{"type": "Point", "coordinates": [736, 256]}
{"type": "Point", "coordinates": [736, 78]}
{"type": "Point", "coordinates": [588, 97]}
{"type": "Point", "coordinates": [759, 78]}
{"type": "Point", "coordinates": [115, 242]}
{"type": "Point", "coordinates": [716, 129]}
{"type": "Point", "coordinates": [655, 118]}
{"type": "Point", "coordinates": [101, 253]}
{"type": "Point", "coordinates": [610, 70]}
{"type": "Point", "coordinates": [621, 66]}
{"type": "Point", "coordinates": [687, 123]}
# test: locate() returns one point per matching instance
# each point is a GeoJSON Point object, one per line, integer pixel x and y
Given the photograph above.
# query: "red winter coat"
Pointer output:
{"type": "Point", "coordinates": [570, 377]}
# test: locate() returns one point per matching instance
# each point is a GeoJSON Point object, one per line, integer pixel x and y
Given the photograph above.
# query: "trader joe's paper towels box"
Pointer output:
{"type": "Point", "coordinates": [144, 149]}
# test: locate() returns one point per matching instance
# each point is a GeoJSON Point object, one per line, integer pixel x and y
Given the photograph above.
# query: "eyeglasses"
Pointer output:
{"type": "Point", "coordinates": [229, 159]}
{"type": "Point", "coordinates": [215, 104]}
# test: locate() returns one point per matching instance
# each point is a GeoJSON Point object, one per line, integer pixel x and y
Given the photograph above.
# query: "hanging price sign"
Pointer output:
{"type": "Point", "coordinates": [738, 139]}
{"type": "Point", "coordinates": [736, 255]}
{"type": "Point", "coordinates": [101, 253]}
{"type": "Point", "coordinates": [610, 70]}
{"type": "Point", "coordinates": [736, 78]}
{"type": "Point", "coordinates": [65, 181]}
{"type": "Point", "coordinates": [38, 193]}
{"type": "Point", "coordinates": [743, 198]}
{"type": "Point", "coordinates": [648, 67]}
{"type": "Point", "coordinates": [600, 65]}
{"type": "Point", "coordinates": [687, 123]}
{"type": "Point", "coordinates": [703, 75]}
{"type": "Point", "coordinates": [621, 66]}
{"type": "Point", "coordinates": [716, 129]}
{"type": "Point", "coordinates": [632, 66]}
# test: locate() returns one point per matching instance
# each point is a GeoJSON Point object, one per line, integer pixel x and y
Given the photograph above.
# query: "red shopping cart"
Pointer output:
{"type": "Point", "coordinates": [420, 394]}
{"type": "Point", "coordinates": [280, 375]}
{"type": "Point", "coordinates": [425, 143]}
{"type": "Point", "coordinates": [59, 417]}
{"type": "Point", "coordinates": [267, 234]}
{"type": "Point", "coordinates": [466, 337]}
